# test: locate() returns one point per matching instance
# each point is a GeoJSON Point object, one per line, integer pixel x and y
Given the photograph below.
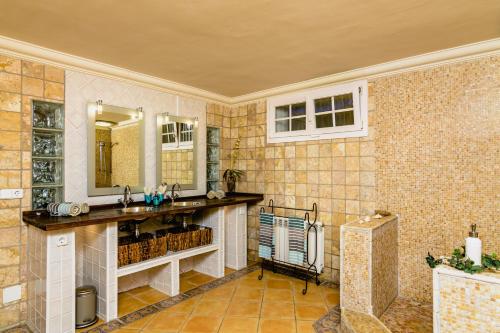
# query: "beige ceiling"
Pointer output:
{"type": "Point", "coordinates": [234, 47]}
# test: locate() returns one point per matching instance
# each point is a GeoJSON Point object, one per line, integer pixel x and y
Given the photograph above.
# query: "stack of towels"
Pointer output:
{"type": "Point", "coordinates": [68, 208]}
{"type": "Point", "coordinates": [216, 194]}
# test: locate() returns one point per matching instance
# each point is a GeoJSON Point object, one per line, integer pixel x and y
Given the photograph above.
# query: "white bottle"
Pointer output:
{"type": "Point", "coordinates": [473, 246]}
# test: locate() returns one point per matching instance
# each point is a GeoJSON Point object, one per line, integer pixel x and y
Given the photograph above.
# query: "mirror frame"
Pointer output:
{"type": "Point", "coordinates": [180, 119]}
{"type": "Point", "coordinates": [92, 190]}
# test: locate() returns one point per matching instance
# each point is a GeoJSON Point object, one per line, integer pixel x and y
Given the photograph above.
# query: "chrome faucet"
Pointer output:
{"type": "Point", "coordinates": [127, 197]}
{"type": "Point", "coordinates": [175, 195]}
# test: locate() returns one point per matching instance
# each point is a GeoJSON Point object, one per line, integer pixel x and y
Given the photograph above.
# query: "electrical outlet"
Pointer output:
{"type": "Point", "coordinates": [62, 241]}
{"type": "Point", "coordinates": [12, 193]}
{"type": "Point", "coordinates": [11, 294]}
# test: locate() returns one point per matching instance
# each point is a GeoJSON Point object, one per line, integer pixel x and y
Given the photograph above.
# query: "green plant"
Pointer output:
{"type": "Point", "coordinates": [460, 262]}
{"type": "Point", "coordinates": [232, 174]}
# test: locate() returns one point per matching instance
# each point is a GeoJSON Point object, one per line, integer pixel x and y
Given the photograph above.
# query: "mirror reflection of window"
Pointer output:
{"type": "Point", "coordinates": [177, 152]}
{"type": "Point", "coordinates": [116, 149]}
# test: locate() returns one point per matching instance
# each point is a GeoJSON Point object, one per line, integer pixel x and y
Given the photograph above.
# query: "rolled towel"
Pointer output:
{"type": "Point", "coordinates": [74, 209]}
{"type": "Point", "coordinates": [220, 194]}
{"type": "Point", "coordinates": [211, 195]}
{"type": "Point", "coordinates": [84, 207]}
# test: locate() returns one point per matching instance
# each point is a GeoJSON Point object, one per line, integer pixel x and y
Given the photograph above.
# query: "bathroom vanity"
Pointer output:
{"type": "Point", "coordinates": [67, 252]}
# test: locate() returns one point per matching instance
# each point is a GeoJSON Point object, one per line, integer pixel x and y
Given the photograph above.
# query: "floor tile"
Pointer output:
{"type": "Point", "coordinates": [239, 325]}
{"type": "Point", "coordinates": [278, 284]}
{"type": "Point", "coordinates": [202, 324]}
{"type": "Point", "coordinates": [166, 322]}
{"type": "Point", "coordinates": [278, 310]}
{"type": "Point", "coordinates": [277, 326]}
{"type": "Point", "coordinates": [214, 307]}
{"type": "Point", "coordinates": [309, 311]}
{"type": "Point", "coordinates": [186, 306]}
{"type": "Point", "coordinates": [248, 294]}
{"type": "Point", "coordinates": [305, 326]}
{"type": "Point", "coordinates": [128, 304]}
{"type": "Point", "coordinates": [151, 296]}
{"type": "Point", "coordinates": [244, 309]}
{"type": "Point", "coordinates": [282, 295]}
{"type": "Point", "coordinates": [220, 293]}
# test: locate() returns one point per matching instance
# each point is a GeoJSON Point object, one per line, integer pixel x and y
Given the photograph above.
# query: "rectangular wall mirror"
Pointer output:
{"type": "Point", "coordinates": [115, 149]}
{"type": "Point", "coordinates": [176, 143]}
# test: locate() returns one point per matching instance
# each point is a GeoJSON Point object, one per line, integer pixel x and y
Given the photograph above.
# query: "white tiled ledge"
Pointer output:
{"type": "Point", "coordinates": [143, 265]}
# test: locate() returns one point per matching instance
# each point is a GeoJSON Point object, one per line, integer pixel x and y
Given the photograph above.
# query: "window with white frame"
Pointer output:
{"type": "Point", "coordinates": [177, 135]}
{"type": "Point", "coordinates": [338, 111]}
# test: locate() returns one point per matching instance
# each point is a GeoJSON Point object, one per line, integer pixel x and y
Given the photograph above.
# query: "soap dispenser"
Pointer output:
{"type": "Point", "coordinates": [473, 246]}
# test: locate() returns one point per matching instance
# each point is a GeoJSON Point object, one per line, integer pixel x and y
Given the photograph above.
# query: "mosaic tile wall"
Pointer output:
{"type": "Point", "coordinates": [459, 296]}
{"type": "Point", "coordinates": [124, 171]}
{"type": "Point", "coordinates": [437, 149]}
{"type": "Point", "coordinates": [177, 166]}
{"type": "Point", "coordinates": [369, 281]}
{"type": "Point", "coordinates": [20, 82]}
{"type": "Point", "coordinates": [339, 175]}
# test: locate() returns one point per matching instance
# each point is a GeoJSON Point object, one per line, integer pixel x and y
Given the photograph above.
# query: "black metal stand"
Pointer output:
{"type": "Point", "coordinates": [301, 272]}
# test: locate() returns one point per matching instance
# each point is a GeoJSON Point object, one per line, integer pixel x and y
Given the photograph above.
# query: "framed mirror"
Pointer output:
{"type": "Point", "coordinates": [115, 149]}
{"type": "Point", "coordinates": [176, 151]}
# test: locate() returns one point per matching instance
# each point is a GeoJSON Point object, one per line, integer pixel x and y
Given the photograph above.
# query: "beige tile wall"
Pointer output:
{"type": "Point", "coordinates": [431, 156]}
{"type": "Point", "coordinates": [125, 156]}
{"type": "Point", "coordinates": [177, 166]}
{"type": "Point", "coordinates": [20, 82]}
{"type": "Point", "coordinates": [337, 174]}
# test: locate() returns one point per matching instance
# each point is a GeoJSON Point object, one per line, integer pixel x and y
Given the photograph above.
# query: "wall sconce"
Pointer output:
{"type": "Point", "coordinates": [196, 121]}
{"type": "Point", "coordinates": [99, 106]}
{"type": "Point", "coordinates": [166, 118]}
{"type": "Point", "coordinates": [140, 113]}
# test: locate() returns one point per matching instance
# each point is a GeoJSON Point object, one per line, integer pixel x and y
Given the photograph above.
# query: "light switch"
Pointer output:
{"type": "Point", "coordinates": [12, 193]}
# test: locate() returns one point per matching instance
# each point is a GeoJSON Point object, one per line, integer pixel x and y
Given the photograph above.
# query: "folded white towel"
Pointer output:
{"type": "Point", "coordinates": [220, 194]}
{"type": "Point", "coordinates": [211, 195]}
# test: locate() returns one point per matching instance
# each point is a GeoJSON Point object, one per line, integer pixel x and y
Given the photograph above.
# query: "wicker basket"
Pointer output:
{"type": "Point", "coordinates": [178, 241]}
{"type": "Point", "coordinates": [132, 250]}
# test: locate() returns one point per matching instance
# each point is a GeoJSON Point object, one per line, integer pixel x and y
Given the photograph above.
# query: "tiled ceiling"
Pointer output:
{"type": "Point", "coordinates": [238, 47]}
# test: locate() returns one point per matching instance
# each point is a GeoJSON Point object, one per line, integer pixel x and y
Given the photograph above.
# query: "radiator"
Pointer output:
{"type": "Point", "coordinates": [281, 242]}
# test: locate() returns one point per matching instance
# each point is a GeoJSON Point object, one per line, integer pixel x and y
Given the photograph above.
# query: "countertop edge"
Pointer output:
{"type": "Point", "coordinates": [48, 223]}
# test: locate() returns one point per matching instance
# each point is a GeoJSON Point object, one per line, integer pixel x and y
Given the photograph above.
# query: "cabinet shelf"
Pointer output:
{"type": "Point", "coordinates": [147, 264]}
{"type": "Point", "coordinates": [46, 185]}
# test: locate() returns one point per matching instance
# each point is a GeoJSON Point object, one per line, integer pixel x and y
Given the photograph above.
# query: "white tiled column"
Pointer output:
{"type": "Point", "coordinates": [165, 278]}
{"type": "Point", "coordinates": [212, 263]}
{"type": "Point", "coordinates": [51, 282]}
{"type": "Point", "coordinates": [100, 265]}
{"type": "Point", "coordinates": [235, 239]}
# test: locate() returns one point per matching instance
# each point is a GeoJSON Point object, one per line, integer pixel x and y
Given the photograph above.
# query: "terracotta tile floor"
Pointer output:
{"type": "Point", "coordinates": [274, 305]}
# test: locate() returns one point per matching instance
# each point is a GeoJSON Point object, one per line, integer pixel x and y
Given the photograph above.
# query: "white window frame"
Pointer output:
{"type": "Point", "coordinates": [185, 144]}
{"type": "Point", "coordinates": [170, 145]}
{"type": "Point", "coordinates": [359, 90]}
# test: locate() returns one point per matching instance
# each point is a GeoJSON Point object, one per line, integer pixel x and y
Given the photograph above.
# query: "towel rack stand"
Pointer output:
{"type": "Point", "coordinates": [302, 272]}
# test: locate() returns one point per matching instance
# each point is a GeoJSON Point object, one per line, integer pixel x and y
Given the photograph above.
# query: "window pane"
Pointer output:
{"type": "Point", "coordinates": [298, 109]}
{"type": "Point", "coordinates": [323, 104]}
{"type": "Point", "coordinates": [282, 125]}
{"type": "Point", "coordinates": [299, 124]}
{"type": "Point", "coordinates": [282, 111]}
{"type": "Point", "coordinates": [344, 118]}
{"type": "Point", "coordinates": [324, 120]}
{"type": "Point", "coordinates": [343, 101]}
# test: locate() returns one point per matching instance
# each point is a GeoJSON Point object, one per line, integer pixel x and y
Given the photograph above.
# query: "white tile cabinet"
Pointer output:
{"type": "Point", "coordinates": [60, 261]}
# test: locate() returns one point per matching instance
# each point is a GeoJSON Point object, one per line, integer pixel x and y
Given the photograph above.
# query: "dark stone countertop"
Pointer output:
{"type": "Point", "coordinates": [112, 212]}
